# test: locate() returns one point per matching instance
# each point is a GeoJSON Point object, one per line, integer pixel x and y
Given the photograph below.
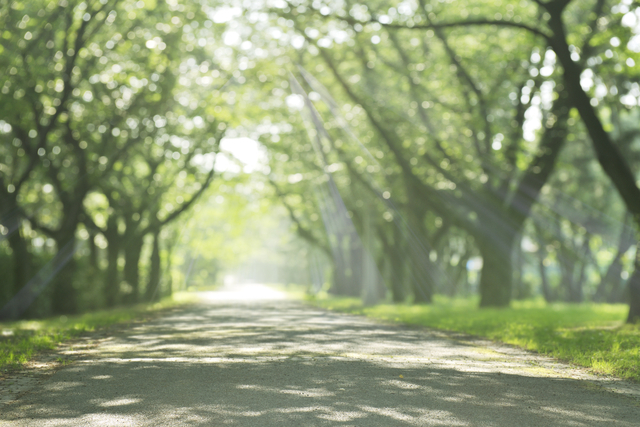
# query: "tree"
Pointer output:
{"type": "Point", "coordinates": [554, 34]}
{"type": "Point", "coordinates": [90, 76]}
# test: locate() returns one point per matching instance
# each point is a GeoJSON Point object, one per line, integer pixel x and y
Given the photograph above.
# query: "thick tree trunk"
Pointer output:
{"type": "Point", "coordinates": [547, 292]}
{"type": "Point", "coordinates": [496, 277]}
{"type": "Point", "coordinates": [633, 288]}
{"type": "Point", "coordinates": [398, 281]}
{"type": "Point", "coordinates": [356, 258]}
{"type": "Point", "coordinates": [567, 269]}
{"type": "Point", "coordinates": [132, 252]}
{"type": "Point", "coordinates": [460, 282]}
{"type": "Point", "coordinates": [608, 279]}
{"type": "Point", "coordinates": [544, 278]}
{"type": "Point", "coordinates": [393, 262]}
{"type": "Point", "coordinates": [64, 296]}
{"type": "Point", "coordinates": [112, 283]}
{"type": "Point", "coordinates": [611, 287]}
{"type": "Point", "coordinates": [381, 286]}
{"type": "Point", "coordinates": [422, 278]}
{"type": "Point", "coordinates": [152, 292]}
{"type": "Point", "coordinates": [340, 278]}
{"type": "Point", "coordinates": [93, 250]}
{"type": "Point", "coordinates": [582, 267]}
{"type": "Point", "coordinates": [496, 237]}
{"type": "Point", "coordinates": [520, 287]}
{"type": "Point", "coordinates": [397, 275]}
{"type": "Point", "coordinates": [21, 257]}
{"type": "Point", "coordinates": [496, 242]}
{"type": "Point", "coordinates": [422, 271]}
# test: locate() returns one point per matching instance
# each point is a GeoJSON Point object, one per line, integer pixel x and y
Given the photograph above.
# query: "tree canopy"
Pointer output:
{"type": "Point", "coordinates": [396, 149]}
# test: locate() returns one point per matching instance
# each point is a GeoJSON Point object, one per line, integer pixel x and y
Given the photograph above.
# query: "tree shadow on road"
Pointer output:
{"type": "Point", "coordinates": [279, 364]}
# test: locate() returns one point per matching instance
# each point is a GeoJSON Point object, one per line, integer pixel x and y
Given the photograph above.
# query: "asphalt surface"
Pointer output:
{"type": "Point", "coordinates": [248, 357]}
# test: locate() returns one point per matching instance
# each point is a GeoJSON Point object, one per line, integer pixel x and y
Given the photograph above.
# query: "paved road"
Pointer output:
{"type": "Point", "coordinates": [248, 357]}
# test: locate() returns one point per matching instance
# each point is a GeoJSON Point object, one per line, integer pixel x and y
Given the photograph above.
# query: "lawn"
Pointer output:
{"type": "Point", "coordinates": [591, 335]}
{"type": "Point", "coordinates": [21, 340]}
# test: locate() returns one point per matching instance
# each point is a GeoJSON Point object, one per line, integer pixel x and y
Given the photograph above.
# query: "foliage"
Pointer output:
{"type": "Point", "coordinates": [404, 140]}
{"type": "Point", "coordinates": [448, 122]}
{"type": "Point", "coordinates": [105, 142]}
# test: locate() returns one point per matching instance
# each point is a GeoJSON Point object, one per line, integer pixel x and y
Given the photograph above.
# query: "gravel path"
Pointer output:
{"type": "Point", "coordinates": [248, 357]}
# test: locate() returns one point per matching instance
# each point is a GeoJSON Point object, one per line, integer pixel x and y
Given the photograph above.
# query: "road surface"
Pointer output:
{"type": "Point", "coordinates": [246, 356]}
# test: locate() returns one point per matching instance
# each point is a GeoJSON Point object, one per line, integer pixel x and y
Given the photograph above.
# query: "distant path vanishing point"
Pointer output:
{"type": "Point", "coordinates": [246, 356]}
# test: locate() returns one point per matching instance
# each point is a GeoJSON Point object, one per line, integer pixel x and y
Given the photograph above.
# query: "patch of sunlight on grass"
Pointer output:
{"type": "Point", "coordinates": [21, 340]}
{"type": "Point", "coordinates": [591, 335]}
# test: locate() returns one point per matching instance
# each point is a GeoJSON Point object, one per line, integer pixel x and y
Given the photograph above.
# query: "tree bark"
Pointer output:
{"type": "Point", "coordinates": [611, 287]}
{"type": "Point", "coordinates": [521, 290]}
{"type": "Point", "coordinates": [633, 288]}
{"type": "Point", "coordinates": [422, 279]}
{"type": "Point", "coordinates": [356, 262]}
{"type": "Point", "coordinates": [22, 261]}
{"type": "Point", "coordinates": [111, 285]}
{"type": "Point", "coordinates": [496, 277]}
{"type": "Point", "coordinates": [152, 292]}
{"type": "Point", "coordinates": [93, 250]}
{"type": "Point", "coordinates": [132, 252]}
{"type": "Point", "coordinates": [340, 280]}
{"type": "Point", "coordinates": [547, 293]}
{"type": "Point", "coordinates": [567, 269]}
{"type": "Point", "coordinates": [64, 296]}
{"type": "Point", "coordinates": [397, 276]}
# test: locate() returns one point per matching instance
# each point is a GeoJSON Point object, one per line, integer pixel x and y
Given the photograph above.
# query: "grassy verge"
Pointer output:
{"type": "Point", "coordinates": [21, 340]}
{"type": "Point", "coordinates": [591, 335]}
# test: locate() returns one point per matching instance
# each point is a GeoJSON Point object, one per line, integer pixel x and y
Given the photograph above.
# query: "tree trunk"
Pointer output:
{"type": "Point", "coordinates": [609, 156]}
{"type": "Point", "coordinates": [417, 245]}
{"type": "Point", "coordinates": [544, 278]}
{"type": "Point", "coordinates": [152, 292]}
{"type": "Point", "coordinates": [394, 267]}
{"type": "Point", "coordinates": [64, 297]}
{"type": "Point", "coordinates": [496, 237]}
{"type": "Point", "coordinates": [496, 277]}
{"type": "Point", "coordinates": [521, 290]}
{"type": "Point", "coordinates": [588, 258]}
{"type": "Point", "coordinates": [633, 288]}
{"type": "Point", "coordinates": [93, 250]}
{"type": "Point", "coordinates": [547, 292]}
{"type": "Point", "coordinates": [21, 257]}
{"type": "Point", "coordinates": [611, 287]}
{"type": "Point", "coordinates": [460, 282]}
{"type": "Point", "coordinates": [340, 280]}
{"type": "Point", "coordinates": [582, 267]}
{"type": "Point", "coordinates": [608, 279]}
{"type": "Point", "coordinates": [422, 281]}
{"type": "Point", "coordinates": [112, 283]}
{"type": "Point", "coordinates": [397, 276]}
{"type": "Point", "coordinates": [356, 258]}
{"type": "Point", "coordinates": [568, 265]}
{"type": "Point", "coordinates": [132, 251]}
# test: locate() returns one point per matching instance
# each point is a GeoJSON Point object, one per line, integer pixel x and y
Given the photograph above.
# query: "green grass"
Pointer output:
{"type": "Point", "coordinates": [21, 340]}
{"type": "Point", "coordinates": [591, 335]}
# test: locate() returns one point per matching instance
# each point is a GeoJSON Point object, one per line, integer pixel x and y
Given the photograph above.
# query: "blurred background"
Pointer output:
{"type": "Point", "coordinates": [387, 150]}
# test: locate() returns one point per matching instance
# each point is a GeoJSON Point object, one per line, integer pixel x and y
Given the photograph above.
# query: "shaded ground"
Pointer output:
{"type": "Point", "coordinates": [266, 361]}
